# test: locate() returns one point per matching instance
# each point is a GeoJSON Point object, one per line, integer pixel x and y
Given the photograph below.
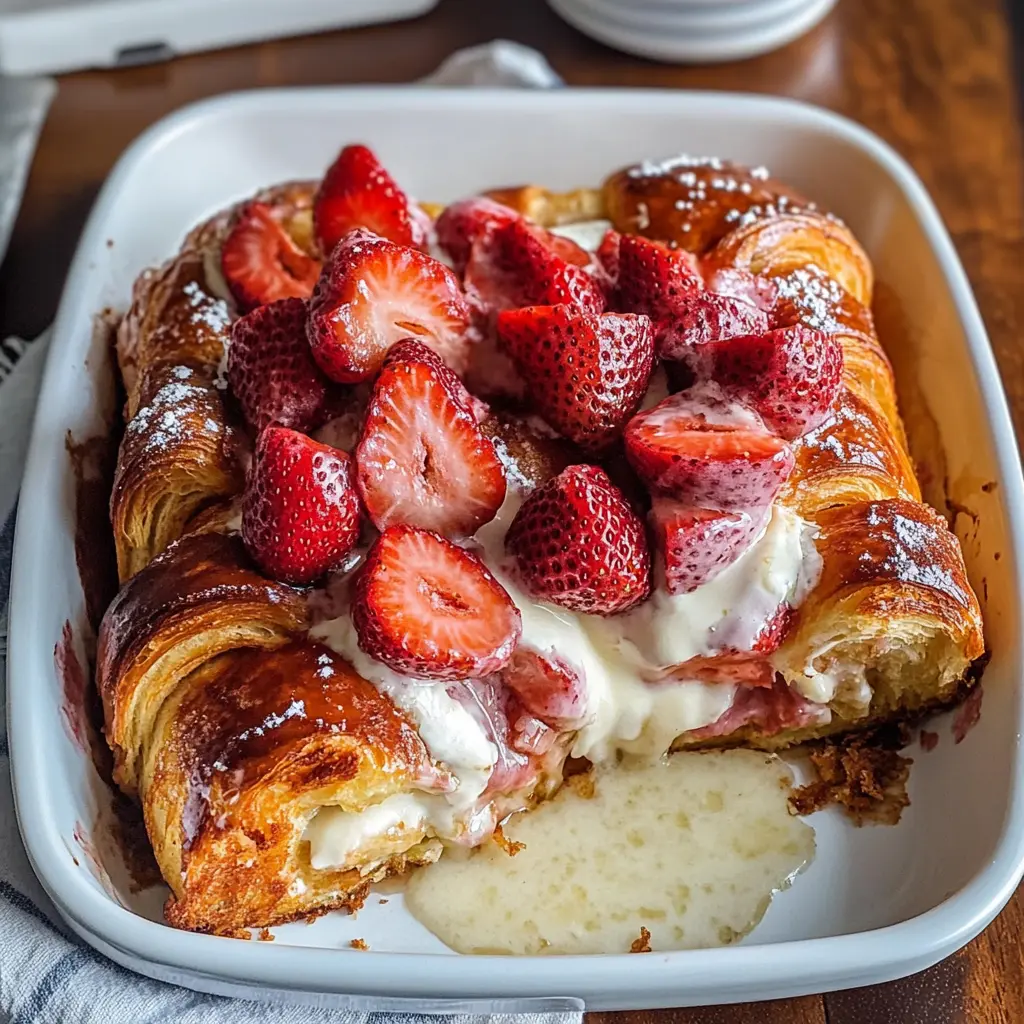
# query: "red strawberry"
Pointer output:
{"type": "Point", "coordinates": [515, 736]}
{"type": "Point", "coordinates": [704, 317]}
{"type": "Point", "coordinates": [775, 630]}
{"type": "Point", "coordinates": [738, 669]}
{"type": "Point", "coordinates": [422, 460]}
{"type": "Point", "coordinates": [608, 256]}
{"type": "Point", "coordinates": [462, 223]}
{"type": "Point", "coordinates": [578, 544]}
{"type": "Point", "coordinates": [520, 264]}
{"type": "Point", "coordinates": [791, 376]}
{"type": "Point", "coordinates": [261, 263]}
{"type": "Point", "coordinates": [358, 193]}
{"type": "Point", "coordinates": [546, 686]}
{"type": "Point", "coordinates": [271, 372]}
{"type": "Point", "coordinates": [428, 608]}
{"type": "Point", "coordinates": [708, 452]}
{"type": "Point", "coordinates": [654, 279]}
{"type": "Point", "coordinates": [742, 284]}
{"type": "Point", "coordinates": [300, 509]}
{"type": "Point", "coordinates": [373, 293]}
{"type": "Point", "coordinates": [586, 373]}
{"type": "Point", "coordinates": [697, 544]}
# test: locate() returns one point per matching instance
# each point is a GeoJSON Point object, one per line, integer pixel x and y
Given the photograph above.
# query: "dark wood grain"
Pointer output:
{"type": "Point", "coordinates": [933, 77]}
{"type": "Point", "coordinates": [809, 1010]}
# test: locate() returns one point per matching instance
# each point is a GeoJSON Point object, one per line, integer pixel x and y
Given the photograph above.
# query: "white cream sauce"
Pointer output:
{"type": "Point", "coordinates": [587, 234]}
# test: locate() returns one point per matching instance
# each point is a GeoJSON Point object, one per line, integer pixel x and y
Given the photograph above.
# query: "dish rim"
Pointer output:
{"type": "Point", "coordinates": [803, 965]}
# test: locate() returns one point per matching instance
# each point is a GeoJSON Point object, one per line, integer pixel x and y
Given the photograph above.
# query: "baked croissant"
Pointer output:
{"type": "Point", "coordinates": [199, 598]}
{"type": "Point", "coordinates": [892, 624]}
{"type": "Point", "coordinates": [178, 455]}
{"type": "Point", "coordinates": [284, 757]}
{"type": "Point", "coordinates": [240, 758]}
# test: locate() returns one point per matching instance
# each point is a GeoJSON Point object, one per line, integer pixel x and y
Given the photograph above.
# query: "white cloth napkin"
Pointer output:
{"type": "Point", "coordinates": [47, 974]}
{"type": "Point", "coordinates": [23, 106]}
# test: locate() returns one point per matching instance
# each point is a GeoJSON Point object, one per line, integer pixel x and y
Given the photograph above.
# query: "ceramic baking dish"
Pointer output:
{"type": "Point", "coordinates": [877, 902]}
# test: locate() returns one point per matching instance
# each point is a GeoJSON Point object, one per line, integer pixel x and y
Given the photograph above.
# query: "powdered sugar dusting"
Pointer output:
{"type": "Point", "coordinates": [206, 310]}
{"type": "Point", "coordinates": [815, 294]}
{"type": "Point", "coordinates": [683, 162]}
{"type": "Point", "coordinates": [164, 420]}
{"type": "Point", "coordinates": [913, 557]}
{"type": "Point", "coordinates": [295, 709]}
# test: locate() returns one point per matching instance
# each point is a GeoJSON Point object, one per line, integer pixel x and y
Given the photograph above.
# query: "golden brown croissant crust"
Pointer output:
{"type": "Point", "coordinates": [242, 756]}
{"type": "Point", "coordinates": [178, 455]}
{"type": "Point", "coordinates": [180, 452]}
{"type": "Point", "coordinates": [197, 599]}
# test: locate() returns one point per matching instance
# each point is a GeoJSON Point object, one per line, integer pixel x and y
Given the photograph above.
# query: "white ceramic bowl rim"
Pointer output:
{"type": "Point", "coordinates": [803, 963]}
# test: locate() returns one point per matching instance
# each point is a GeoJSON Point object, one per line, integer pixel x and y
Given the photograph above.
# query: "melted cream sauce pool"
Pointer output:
{"type": "Point", "coordinates": [691, 849]}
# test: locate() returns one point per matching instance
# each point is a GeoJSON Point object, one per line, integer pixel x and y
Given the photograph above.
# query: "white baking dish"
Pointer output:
{"type": "Point", "coordinates": [877, 903]}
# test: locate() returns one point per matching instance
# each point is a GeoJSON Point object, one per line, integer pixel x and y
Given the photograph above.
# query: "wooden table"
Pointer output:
{"type": "Point", "coordinates": [933, 77]}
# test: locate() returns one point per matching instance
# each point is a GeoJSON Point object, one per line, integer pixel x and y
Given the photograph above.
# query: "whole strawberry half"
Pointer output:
{"type": "Point", "coordinates": [422, 459]}
{"type": "Point", "coordinates": [463, 222]}
{"type": "Point", "coordinates": [547, 687]}
{"type": "Point", "coordinates": [428, 608]}
{"type": "Point", "coordinates": [300, 509]}
{"type": "Point", "coordinates": [357, 192]}
{"type": "Point", "coordinates": [791, 376]}
{"type": "Point", "coordinates": [697, 544]}
{"type": "Point", "coordinates": [586, 373]}
{"type": "Point", "coordinates": [520, 264]}
{"type": "Point", "coordinates": [374, 292]}
{"type": "Point", "coordinates": [578, 544]}
{"type": "Point", "coordinates": [653, 278]}
{"type": "Point", "coordinates": [271, 371]}
{"type": "Point", "coordinates": [261, 263]}
{"type": "Point", "coordinates": [707, 451]}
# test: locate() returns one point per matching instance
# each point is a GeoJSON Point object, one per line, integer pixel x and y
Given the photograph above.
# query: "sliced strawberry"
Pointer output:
{"type": "Point", "coordinates": [462, 223]}
{"type": "Point", "coordinates": [373, 293]}
{"type": "Point", "coordinates": [520, 264]}
{"type": "Point", "coordinates": [766, 711]}
{"type": "Point", "coordinates": [708, 452]}
{"type": "Point", "coordinates": [739, 669]}
{"type": "Point", "coordinates": [703, 317]}
{"type": "Point", "coordinates": [430, 609]}
{"type": "Point", "coordinates": [527, 734]}
{"type": "Point", "coordinates": [654, 279]}
{"type": "Point", "coordinates": [742, 284]}
{"type": "Point", "coordinates": [697, 544]}
{"type": "Point", "coordinates": [515, 735]}
{"type": "Point", "coordinates": [608, 256]}
{"type": "Point", "coordinates": [578, 544]}
{"type": "Point", "coordinates": [271, 371]}
{"type": "Point", "coordinates": [547, 687]}
{"type": "Point", "coordinates": [422, 459]}
{"type": "Point", "coordinates": [261, 263]}
{"type": "Point", "coordinates": [357, 192]}
{"type": "Point", "coordinates": [775, 630]}
{"type": "Point", "coordinates": [791, 376]}
{"type": "Point", "coordinates": [586, 372]}
{"type": "Point", "coordinates": [300, 509]}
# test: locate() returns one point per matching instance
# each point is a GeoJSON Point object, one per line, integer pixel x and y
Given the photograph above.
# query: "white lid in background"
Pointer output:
{"type": "Point", "coordinates": [49, 36]}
